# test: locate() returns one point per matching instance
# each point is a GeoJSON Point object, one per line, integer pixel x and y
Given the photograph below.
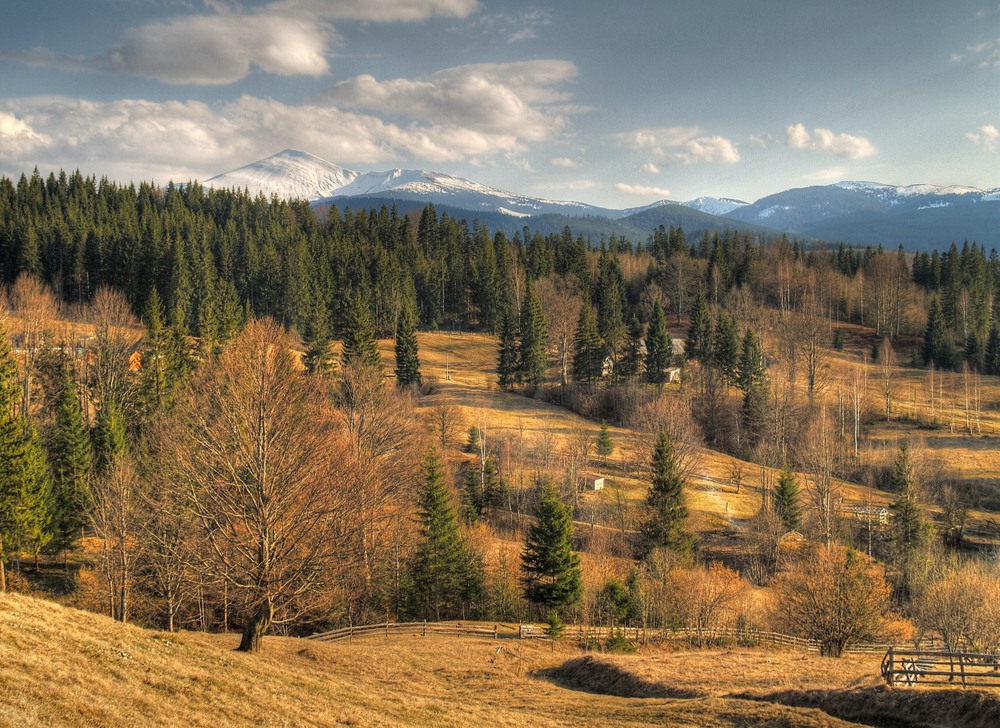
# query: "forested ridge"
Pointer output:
{"type": "Point", "coordinates": [222, 486]}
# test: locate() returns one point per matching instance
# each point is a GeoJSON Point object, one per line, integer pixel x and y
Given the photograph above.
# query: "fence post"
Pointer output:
{"type": "Point", "coordinates": [961, 666]}
{"type": "Point", "coordinates": [424, 632]}
{"type": "Point", "coordinates": [496, 629]}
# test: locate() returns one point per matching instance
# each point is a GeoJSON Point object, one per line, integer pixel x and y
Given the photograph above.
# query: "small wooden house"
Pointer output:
{"type": "Point", "coordinates": [591, 481]}
{"type": "Point", "coordinates": [673, 375]}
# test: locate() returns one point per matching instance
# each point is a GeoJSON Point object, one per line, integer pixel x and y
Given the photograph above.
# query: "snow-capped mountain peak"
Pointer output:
{"type": "Point", "coordinates": [715, 205]}
{"type": "Point", "coordinates": [288, 174]}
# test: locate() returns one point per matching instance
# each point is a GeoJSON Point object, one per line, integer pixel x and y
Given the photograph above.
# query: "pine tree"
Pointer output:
{"type": "Point", "coordinates": [551, 573]}
{"type": "Point", "coordinates": [34, 511]}
{"type": "Point", "coordinates": [751, 371]}
{"type": "Point", "coordinates": [533, 360]}
{"type": "Point", "coordinates": [109, 438]}
{"type": "Point", "coordinates": [407, 361]}
{"type": "Point", "coordinates": [786, 500]}
{"type": "Point", "coordinates": [316, 338]}
{"type": "Point", "coordinates": [909, 530]}
{"type": "Point", "coordinates": [938, 349]}
{"type": "Point", "coordinates": [588, 349]}
{"type": "Point", "coordinates": [14, 460]}
{"type": "Point", "coordinates": [359, 335]}
{"type": "Point", "coordinates": [631, 360]}
{"type": "Point", "coordinates": [659, 347]}
{"type": "Point", "coordinates": [508, 370]}
{"type": "Point", "coordinates": [699, 335]}
{"type": "Point", "coordinates": [666, 506]}
{"type": "Point", "coordinates": [605, 446]}
{"type": "Point", "coordinates": [446, 574]}
{"type": "Point", "coordinates": [726, 347]}
{"type": "Point", "coordinates": [610, 317]}
{"type": "Point", "coordinates": [991, 365]}
{"type": "Point", "coordinates": [69, 452]}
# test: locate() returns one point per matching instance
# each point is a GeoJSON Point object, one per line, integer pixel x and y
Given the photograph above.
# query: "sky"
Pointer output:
{"type": "Point", "coordinates": [613, 104]}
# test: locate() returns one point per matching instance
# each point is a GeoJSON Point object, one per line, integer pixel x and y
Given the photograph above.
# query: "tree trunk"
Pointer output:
{"type": "Point", "coordinates": [253, 632]}
{"type": "Point", "coordinates": [3, 571]}
{"type": "Point", "coordinates": [831, 648]}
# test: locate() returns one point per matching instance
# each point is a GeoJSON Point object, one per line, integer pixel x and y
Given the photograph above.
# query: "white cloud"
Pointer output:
{"type": "Point", "coordinates": [508, 98]}
{"type": "Point", "coordinates": [285, 38]}
{"type": "Point", "coordinates": [987, 137]}
{"type": "Point", "coordinates": [650, 168]}
{"type": "Point", "coordinates": [564, 163]}
{"type": "Point", "coordinates": [824, 140]}
{"type": "Point", "coordinates": [642, 190]}
{"type": "Point", "coordinates": [714, 149]}
{"type": "Point", "coordinates": [833, 174]}
{"type": "Point", "coordinates": [679, 144]}
{"type": "Point", "coordinates": [17, 138]}
{"type": "Point", "coordinates": [986, 54]}
{"type": "Point", "coordinates": [185, 139]}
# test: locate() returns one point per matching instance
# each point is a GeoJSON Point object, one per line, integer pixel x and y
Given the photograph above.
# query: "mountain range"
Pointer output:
{"type": "Point", "coordinates": [919, 217]}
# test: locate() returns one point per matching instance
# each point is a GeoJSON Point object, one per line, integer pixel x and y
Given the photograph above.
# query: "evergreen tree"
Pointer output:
{"type": "Point", "coordinates": [69, 452]}
{"type": "Point", "coordinates": [34, 511]}
{"type": "Point", "coordinates": [16, 514]}
{"type": "Point", "coordinates": [939, 348]}
{"type": "Point", "coordinates": [483, 490]}
{"type": "Point", "coordinates": [726, 347]}
{"type": "Point", "coordinates": [991, 365]}
{"type": "Point", "coordinates": [631, 360]}
{"type": "Point", "coordinates": [508, 370]}
{"type": "Point", "coordinates": [318, 358]}
{"type": "Point", "coordinates": [551, 575]}
{"type": "Point", "coordinates": [446, 575]}
{"type": "Point", "coordinates": [407, 361]}
{"type": "Point", "coordinates": [699, 334]}
{"type": "Point", "coordinates": [588, 349]}
{"type": "Point", "coordinates": [610, 315]}
{"type": "Point", "coordinates": [359, 335]}
{"type": "Point", "coordinates": [786, 500]}
{"type": "Point", "coordinates": [109, 438]}
{"type": "Point", "coordinates": [666, 506]}
{"type": "Point", "coordinates": [751, 371]}
{"type": "Point", "coordinates": [605, 446]}
{"type": "Point", "coordinates": [908, 529]}
{"type": "Point", "coordinates": [533, 360]}
{"type": "Point", "coordinates": [659, 347]}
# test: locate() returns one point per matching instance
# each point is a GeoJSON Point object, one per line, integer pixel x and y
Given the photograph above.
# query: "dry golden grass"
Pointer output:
{"type": "Point", "coordinates": [59, 666]}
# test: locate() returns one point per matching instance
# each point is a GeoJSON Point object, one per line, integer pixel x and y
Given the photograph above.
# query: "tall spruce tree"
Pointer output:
{"type": "Point", "coordinates": [69, 451]}
{"type": "Point", "coordinates": [447, 576]}
{"type": "Point", "coordinates": [630, 363]}
{"type": "Point", "coordinates": [359, 335]}
{"type": "Point", "coordinates": [407, 360]}
{"type": "Point", "coordinates": [14, 458]}
{"type": "Point", "coordinates": [534, 353]}
{"type": "Point", "coordinates": [551, 573]}
{"type": "Point", "coordinates": [909, 530]}
{"type": "Point", "coordinates": [786, 500]}
{"type": "Point", "coordinates": [666, 506]}
{"type": "Point", "coordinates": [726, 347]}
{"type": "Point", "coordinates": [508, 370]}
{"type": "Point", "coordinates": [588, 349]}
{"type": "Point", "coordinates": [699, 334]}
{"type": "Point", "coordinates": [34, 513]}
{"type": "Point", "coordinates": [938, 348]}
{"type": "Point", "coordinates": [992, 363]}
{"type": "Point", "coordinates": [605, 445]}
{"type": "Point", "coordinates": [108, 436]}
{"type": "Point", "coordinates": [751, 371]}
{"type": "Point", "coordinates": [659, 347]}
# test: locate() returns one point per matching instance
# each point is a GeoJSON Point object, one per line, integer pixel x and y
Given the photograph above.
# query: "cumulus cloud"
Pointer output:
{"type": "Point", "coordinates": [183, 139]}
{"type": "Point", "coordinates": [286, 38]}
{"type": "Point", "coordinates": [824, 140]}
{"type": "Point", "coordinates": [506, 98]}
{"type": "Point", "coordinates": [17, 138]}
{"type": "Point", "coordinates": [563, 163]}
{"type": "Point", "coordinates": [679, 144]}
{"type": "Point", "coordinates": [987, 137]}
{"type": "Point", "coordinates": [650, 168]}
{"type": "Point", "coordinates": [985, 54]}
{"type": "Point", "coordinates": [642, 190]}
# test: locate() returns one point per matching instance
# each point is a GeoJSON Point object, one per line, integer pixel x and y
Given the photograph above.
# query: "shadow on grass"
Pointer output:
{"type": "Point", "coordinates": [895, 707]}
{"type": "Point", "coordinates": [605, 678]}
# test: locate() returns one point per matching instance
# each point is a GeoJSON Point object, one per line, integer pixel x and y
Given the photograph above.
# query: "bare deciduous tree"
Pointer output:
{"type": "Point", "coordinates": [33, 303]}
{"type": "Point", "coordinates": [560, 304]}
{"type": "Point", "coordinates": [257, 454]}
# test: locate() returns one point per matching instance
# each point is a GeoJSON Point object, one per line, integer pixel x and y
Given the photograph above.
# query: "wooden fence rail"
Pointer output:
{"type": "Point", "coordinates": [586, 635]}
{"type": "Point", "coordinates": [908, 667]}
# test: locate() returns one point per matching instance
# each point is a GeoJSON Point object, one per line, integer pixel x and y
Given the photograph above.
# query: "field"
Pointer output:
{"type": "Point", "coordinates": [59, 666]}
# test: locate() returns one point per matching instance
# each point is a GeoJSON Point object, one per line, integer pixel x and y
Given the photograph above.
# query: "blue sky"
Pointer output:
{"type": "Point", "coordinates": [612, 104]}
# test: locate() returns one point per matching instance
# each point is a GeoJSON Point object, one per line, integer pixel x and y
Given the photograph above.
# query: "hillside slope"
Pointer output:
{"type": "Point", "coordinates": [60, 666]}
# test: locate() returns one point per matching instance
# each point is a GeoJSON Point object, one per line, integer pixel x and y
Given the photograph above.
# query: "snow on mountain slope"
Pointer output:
{"type": "Point", "coordinates": [715, 205]}
{"type": "Point", "coordinates": [288, 174]}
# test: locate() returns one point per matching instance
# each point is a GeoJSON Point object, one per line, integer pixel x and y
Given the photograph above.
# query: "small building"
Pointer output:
{"type": "Point", "coordinates": [673, 375]}
{"type": "Point", "coordinates": [677, 347]}
{"type": "Point", "coordinates": [591, 481]}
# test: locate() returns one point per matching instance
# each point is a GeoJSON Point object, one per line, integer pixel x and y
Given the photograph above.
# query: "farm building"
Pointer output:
{"type": "Point", "coordinates": [591, 481]}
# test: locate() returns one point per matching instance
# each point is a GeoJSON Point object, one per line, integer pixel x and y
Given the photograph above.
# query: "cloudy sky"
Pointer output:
{"type": "Point", "coordinates": [615, 104]}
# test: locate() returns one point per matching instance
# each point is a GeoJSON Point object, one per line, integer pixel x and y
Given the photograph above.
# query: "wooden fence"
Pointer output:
{"type": "Point", "coordinates": [584, 634]}
{"type": "Point", "coordinates": [908, 667]}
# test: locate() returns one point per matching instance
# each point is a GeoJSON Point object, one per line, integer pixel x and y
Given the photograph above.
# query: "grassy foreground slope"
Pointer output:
{"type": "Point", "coordinates": [60, 666]}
